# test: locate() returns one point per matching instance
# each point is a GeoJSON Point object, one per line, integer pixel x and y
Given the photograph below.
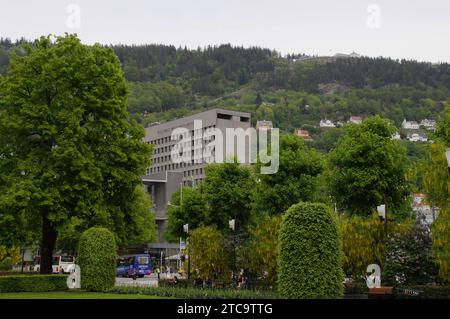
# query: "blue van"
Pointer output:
{"type": "Point", "coordinates": [134, 265]}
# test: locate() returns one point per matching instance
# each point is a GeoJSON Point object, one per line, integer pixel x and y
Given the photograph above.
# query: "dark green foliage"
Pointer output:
{"type": "Point", "coordinates": [295, 181]}
{"type": "Point", "coordinates": [6, 264]}
{"type": "Point", "coordinates": [368, 168]}
{"type": "Point", "coordinates": [97, 259]}
{"type": "Point", "coordinates": [409, 260]}
{"type": "Point", "coordinates": [33, 283]}
{"type": "Point", "coordinates": [74, 159]}
{"type": "Point", "coordinates": [310, 258]}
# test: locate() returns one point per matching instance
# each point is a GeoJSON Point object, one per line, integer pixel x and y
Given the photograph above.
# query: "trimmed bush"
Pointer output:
{"type": "Point", "coordinates": [97, 259]}
{"type": "Point", "coordinates": [33, 283]}
{"type": "Point", "coordinates": [6, 264]}
{"type": "Point", "coordinates": [310, 253]}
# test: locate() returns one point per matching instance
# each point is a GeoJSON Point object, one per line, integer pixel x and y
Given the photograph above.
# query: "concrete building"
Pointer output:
{"type": "Point", "coordinates": [167, 174]}
{"type": "Point", "coordinates": [326, 124]}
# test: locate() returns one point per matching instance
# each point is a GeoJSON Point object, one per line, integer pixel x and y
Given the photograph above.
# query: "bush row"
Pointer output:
{"type": "Point", "coordinates": [194, 293]}
{"type": "Point", "coordinates": [33, 283]}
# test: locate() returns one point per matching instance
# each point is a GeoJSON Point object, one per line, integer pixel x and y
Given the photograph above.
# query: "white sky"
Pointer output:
{"type": "Point", "coordinates": [414, 29]}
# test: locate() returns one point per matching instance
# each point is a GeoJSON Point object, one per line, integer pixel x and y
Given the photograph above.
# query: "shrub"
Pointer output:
{"type": "Point", "coordinates": [6, 264]}
{"type": "Point", "coordinates": [195, 293]}
{"type": "Point", "coordinates": [33, 283]}
{"type": "Point", "coordinates": [97, 259]}
{"type": "Point", "coordinates": [409, 258]}
{"type": "Point", "coordinates": [310, 253]}
{"type": "Point", "coordinates": [363, 242]}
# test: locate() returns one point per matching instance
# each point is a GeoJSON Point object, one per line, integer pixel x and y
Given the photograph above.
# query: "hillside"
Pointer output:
{"type": "Point", "coordinates": [293, 91]}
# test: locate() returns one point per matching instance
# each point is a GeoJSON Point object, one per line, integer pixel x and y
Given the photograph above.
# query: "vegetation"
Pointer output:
{"type": "Point", "coordinates": [310, 253]}
{"type": "Point", "coordinates": [368, 169]}
{"type": "Point", "coordinates": [69, 154]}
{"type": "Point", "coordinates": [207, 254]}
{"type": "Point", "coordinates": [33, 283]}
{"type": "Point", "coordinates": [409, 260]}
{"type": "Point", "coordinates": [97, 259]}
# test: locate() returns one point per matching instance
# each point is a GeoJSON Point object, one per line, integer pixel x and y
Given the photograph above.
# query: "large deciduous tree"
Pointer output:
{"type": "Point", "coordinates": [295, 181]}
{"type": "Point", "coordinates": [367, 169]}
{"type": "Point", "coordinates": [68, 151]}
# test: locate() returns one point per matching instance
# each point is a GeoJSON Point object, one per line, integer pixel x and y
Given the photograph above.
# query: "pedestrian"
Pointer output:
{"type": "Point", "coordinates": [158, 271]}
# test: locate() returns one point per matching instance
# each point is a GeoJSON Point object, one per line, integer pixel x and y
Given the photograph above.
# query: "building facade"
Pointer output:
{"type": "Point", "coordinates": [168, 172]}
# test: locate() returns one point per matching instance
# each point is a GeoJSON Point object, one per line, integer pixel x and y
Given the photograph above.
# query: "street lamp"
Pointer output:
{"type": "Point", "coordinates": [232, 225]}
{"type": "Point", "coordinates": [186, 230]}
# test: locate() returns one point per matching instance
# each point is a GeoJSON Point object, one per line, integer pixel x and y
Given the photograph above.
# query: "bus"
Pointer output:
{"type": "Point", "coordinates": [137, 265]}
{"type": "Point", "coordinates": [60, 264]}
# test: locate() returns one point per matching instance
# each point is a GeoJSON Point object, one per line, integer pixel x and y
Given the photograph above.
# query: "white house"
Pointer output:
{"type": "Point", "coordinates": [428, 124]}
{"type": "Point", "coordinates": [423, 210]}
{"type": "Point", "coordinates": [417, 138]}
{"type": "Point", "coordinates": [326, 124]}
{"type": "Point", "coordinates": [396, 136]}
{"type": "Point", "coordinates": [410, 125]}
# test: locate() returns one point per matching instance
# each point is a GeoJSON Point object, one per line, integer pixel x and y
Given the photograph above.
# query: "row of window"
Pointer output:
{"type": "Point", "coordinates": [199, 132]}
{"type": "Point", "coordinates": [192, 172]}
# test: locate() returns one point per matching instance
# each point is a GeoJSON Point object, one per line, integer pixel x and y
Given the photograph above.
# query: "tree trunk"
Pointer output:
{"type": "Point", "coordinates": [49, 235]}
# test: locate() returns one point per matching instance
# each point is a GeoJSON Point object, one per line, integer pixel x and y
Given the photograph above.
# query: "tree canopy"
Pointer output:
{"type": "Point", "coordinates": [68, 149]}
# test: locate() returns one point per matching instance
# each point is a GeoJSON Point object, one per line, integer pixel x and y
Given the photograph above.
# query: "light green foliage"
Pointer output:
{"type": "Point", "coordinates": [97, 259]}
{"type": "Point", "coordinates": [262, 250]}
{"type": "Point", "coordinates": [207, 253]}
{"type": "Point", "coordinates": [366, 166]}
{"type": "Point", "coordinates": [310, 253]}
{"type": "Point", "coordinates": [296, 179]}
{"type": "Point", "coordinates": [363, 243]}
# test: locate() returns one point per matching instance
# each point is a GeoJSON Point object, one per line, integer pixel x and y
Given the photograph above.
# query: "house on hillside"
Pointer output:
{"type": "Point", "coordinates": [355, 119]}
{"type": "Point", "coordinates": [424, 212]}
{"type": "Point", "coordinates": [396, 136]}
{"type": "Point", "coordinates": [415, 137]}
{"type": "Point", "coordinates": [428, 124]}
{"type": "Point", "coordinates": [326, 124]}
{"type": "Point", "coordinates": [303, 134]}
{"type": "Point", "coordinates": [410, 125]}
{"type": "Point", "coordinates": [264, 125]}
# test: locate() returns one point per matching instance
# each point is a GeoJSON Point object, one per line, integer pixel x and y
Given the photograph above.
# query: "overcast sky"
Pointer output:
{"type": "Point", "coordinates": [413, 29]}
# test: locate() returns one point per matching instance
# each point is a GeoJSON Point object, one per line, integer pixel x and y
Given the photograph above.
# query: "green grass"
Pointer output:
{"type": "Point", "coordinates": [72, 295]}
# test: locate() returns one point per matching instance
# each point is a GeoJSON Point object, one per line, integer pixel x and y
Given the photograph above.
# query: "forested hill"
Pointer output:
{"type": "Point", "coordinates": [293, 91]}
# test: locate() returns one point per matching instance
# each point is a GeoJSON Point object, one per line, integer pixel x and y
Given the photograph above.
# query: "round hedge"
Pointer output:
{"type": "Point", "coordinates": [97, 259]}
{"type": "Point", "coordinates": [310, 253]}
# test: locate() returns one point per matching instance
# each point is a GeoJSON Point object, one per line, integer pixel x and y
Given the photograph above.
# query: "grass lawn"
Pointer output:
{"type": "Point", "coordinates": [71, 295]}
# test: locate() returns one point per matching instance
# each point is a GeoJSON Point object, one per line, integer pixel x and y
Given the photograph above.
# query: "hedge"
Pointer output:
{"type": "Point", "coordinates": [97, 259]}
{"type": "Point", "coordinates": [194, 293]}
{"type": "Point", "coordinates": [33, 283]}
{"type": "Point", "coordinates": [310, 256]}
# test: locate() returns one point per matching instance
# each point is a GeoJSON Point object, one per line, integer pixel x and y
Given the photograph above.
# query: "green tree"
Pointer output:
{"type": "Point", "coordinates": [262, 250]}
{"type": "Point", "coordinates": [67, 147]}
{"type": "Point", "coordinates": [207, 253]}
{"type": "Point", "coordinates": [409, 260]}
{"type": "Point", "coordinates": [363, 243]}
{"type": "Point", "coordinates": [191, 210]}
{"type": "Point", "coordinates": [228, 189]}
{"type": "Point", "coordinates": [296, 179]}
{"type": "Point", "coordinates": [367, 169]}
{"type": "Point", "coordinates": [310, 253]}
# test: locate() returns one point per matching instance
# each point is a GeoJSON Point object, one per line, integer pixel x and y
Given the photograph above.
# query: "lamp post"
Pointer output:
{"type": "Point", "coordinates": [186, 230]}
{"type": "Point", "coordinates": [232, 225]}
